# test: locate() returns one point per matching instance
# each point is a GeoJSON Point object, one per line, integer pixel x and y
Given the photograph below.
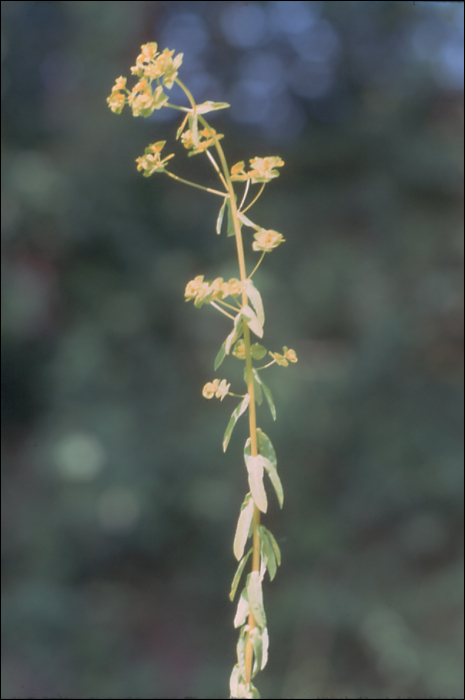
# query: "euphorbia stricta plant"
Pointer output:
{"type": "Point", "coordinates": [240, 300]}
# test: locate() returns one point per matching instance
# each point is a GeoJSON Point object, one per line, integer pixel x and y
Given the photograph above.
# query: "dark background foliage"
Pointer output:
{"type": "Point", "coordinates": [118, 505]}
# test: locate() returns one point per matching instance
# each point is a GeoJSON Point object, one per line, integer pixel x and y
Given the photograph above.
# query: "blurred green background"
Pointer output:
{"type": "Point", "coordinates": [118, 505]}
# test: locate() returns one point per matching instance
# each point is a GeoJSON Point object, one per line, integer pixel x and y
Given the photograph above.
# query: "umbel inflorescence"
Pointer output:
{"type": "Point", "coordinates": [240, 300]}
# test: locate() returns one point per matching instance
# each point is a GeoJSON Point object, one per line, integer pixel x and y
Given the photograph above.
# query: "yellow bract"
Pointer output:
{"type": "Point", "coordinates": [216, 388]}
{"type": "Point", "coordinates": [209, 136]}
{"type": "Point", "coordinates": [266, 240]}
{"type": "Point", "coordinates": [262, 169]}
{"type": "Point", "coordinates": [151, 161]}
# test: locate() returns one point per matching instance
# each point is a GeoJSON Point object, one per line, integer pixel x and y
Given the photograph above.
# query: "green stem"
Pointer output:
{"type": "Point", "coordinates": [255, 198]}
{"type": "Point", "coordinates": [193, 184]}
{"type": "Point", "coordinates": [263, 255]}
{"type": "Point", "coordinates": [212, 303]}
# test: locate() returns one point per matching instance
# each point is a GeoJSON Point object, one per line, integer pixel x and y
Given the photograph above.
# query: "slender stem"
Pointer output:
{"type": "Point", "coordinates": [255, 198]}
{"type": "Point", "coordinates": [193, 184]}
{"type": "Point", "coordinates": [262, 256]}
{"type": "Point", "coordinates": [258, 369]}
{"type": "Point", "coordinates": [212, 303]}
{"type": "Point", "coordinates": [245, 194]}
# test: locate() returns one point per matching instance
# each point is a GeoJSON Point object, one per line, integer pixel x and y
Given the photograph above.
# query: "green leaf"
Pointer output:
{"type": "Point", "coordinates": [267, 393]}
{"type": "Point", "coordinates": [231, 230]}
{"type": "Point", "coordinates": [219, 220]}
{"type": "Point", "coordinates": [258, 351]}
{"type": "Point", "coordinates": [265, 447]}
{"type": "Point", "coordinates": [256, 301]}
{"type": "Point", "coordinates": [210, 106]}
{"type": "Point", "coordinates": [235, 333]}
{"type": "Point", "coordinates": [267, 553]}
{"type": "Point", "coordinates": [255, 596]}
{"type": "Point", "coordinates": [255, 469]}
{"type": "Point", "coordinates": [236, 414]}
{"type": "Point", "coordinates": [267, 450]}
{"type": "Point", "coordinates": [265, 642]}
{"type": "Point", "coordinates": [243, 527]}
{"type": "Point", "coordinates": [220, 356]}
{"type": "Point", "coordinates": [243, 609]}
{"type": "Point", "coordinates": [252, 320]}
{"type": "Point", "coordinates": [274, 544]}
{"type": "Point", "coordinates": [255, 637]}
{"type": "Point", "coordinates": [238, 574]}
{"type": "Point", "coordinates": [257, 388]}
{"type": "Point", "coordinates": [246, 221]}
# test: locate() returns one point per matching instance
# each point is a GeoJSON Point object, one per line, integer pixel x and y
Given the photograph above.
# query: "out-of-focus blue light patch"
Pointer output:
{"type": "Point", "coordinates": [244, 26]}
{"type": "Point", "coordinates": [265, 69]}
{"type": "Point", "coordinates": [286, 120]}
{"type": "Point", "coordinates": [79, 457]}
{"type": "Point", "coordinates": [438, 40]}
{"type": "Point", "coordinates": [311, 80]}
{"type": "Point", "coordinates": [185, 33]}
{"type": "Point", "coordinates": [293, 17]}
{"type": "Point", "coordinates": [249, 102]}
{"type": "Point", "coordinates": [118, 509]}
{"type": "Point", "coordinates": [317, 43]}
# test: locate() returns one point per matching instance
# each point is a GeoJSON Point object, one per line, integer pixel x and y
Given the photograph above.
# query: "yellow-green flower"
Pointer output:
{"type": "Point", "coordinates": [263, 168]}
{"type": "Point", "coordinates": [238, 172]}
{"type": "Point", "coordinates": [210, 388]}
{"type": "Point", "coordinates": [219, 289]}
{"type": "Point", "coordinates": [193, 287]}
{"type": "Point", "coordinates": [239, 350]}
{"type": "Point", "coordinates": [280, 359]}
{"type": "Point", "coordinates": [209, 136]}
{"type": "Point", "coordinates": [290, 354]}
{"type": "Point", "coordinates": [117, 99]}
{"type": "Point", "coordinates": [266, 240]}
{"type": "Point", "coordinates": [151, 161]}
{"type": "Point", "coordinates": [235, 287]}
{"type": "Point", "coordinates": [222, 390]}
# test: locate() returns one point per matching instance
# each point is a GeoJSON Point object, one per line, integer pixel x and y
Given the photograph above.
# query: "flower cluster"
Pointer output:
{"type": "Point", "coordinates": [266, 240]}
{"type": "Point", "coordinates": [150, 65]}
{"type": "Point", "coordinates": [205, 292]}
{"type": "Point", "coordinates": [283, 359]}
{"type": "Point", "coordinates": [216, 388]}
{"type": "Point", "coordinates": [262, 169]}
{"type": "Point", "coordinates": [151, 161]}
{"type": "Point", "coordinates": [208, 140]}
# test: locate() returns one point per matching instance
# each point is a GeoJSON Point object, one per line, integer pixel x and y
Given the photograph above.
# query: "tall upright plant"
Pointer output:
{"type": "Point", "coordinates": [239, 300]}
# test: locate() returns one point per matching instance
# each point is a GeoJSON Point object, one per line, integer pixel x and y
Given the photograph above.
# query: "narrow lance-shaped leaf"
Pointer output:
{"type": "Point", "coordinates": [267, 553]}
{"type": "Point", "coordinates": [243, 527]}
{"type": "Point", "coordinates": [255, 596]}
{"type": "Point", "coordinates": [241, 652]}
{"type": "Point", "coordinates": [252, 320]}
{"type": "Point", "coordinates": [267, 393]}
{"type": "Point", "coordinates": [220, 356]}
{"type": "Point", "coordinates": [234, 682]}
{"type": "Point", "coordinates": [238, 574]}
{"type": "Point", "coordinates": [274, 544]}
{"type": "Point", "coordinates": [255, 469]}
{"type": "Point", "coordinates": [235, 333]}
{"type": "Point", "coordinates": [255, 637]}
{"type": "Point", "coordinates": [243, 608]}
{"type": "Point", "coordinates": [256, 300]}
{"type": "Point", "coordinates": [236, 414]}
{"type": "Point", "coordinates": [266, 449]}
{"type": "Point", "coordinates": [219, 220]}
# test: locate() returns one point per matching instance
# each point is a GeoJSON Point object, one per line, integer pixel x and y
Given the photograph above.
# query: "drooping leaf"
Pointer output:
{"type": "Point", "coordinates": [238, 574]}
{"type": "Point", "coordinates": [241, 643]}
{"type": "Point", "coordinates": [236, 414]}
{"type": "Point", "coordinates": [268, 396]}
{"type": "Point", "coordinates": [219, 220]}
{"type": "Point", "coordinates": [265, 447]}
{"type": "Point", "coordinates": [274, 544]}
{"type": "Point", "coordinates": [267, 553]}
{"type": "Point", "coordinates": [220, 356]}
{"type": "Point", "coordinates": [235, 333]}
{"type": "Point", "coordinates": [267, 450]}
{"type": "Point", "coordinates": [210, 106]}
{"type": "Point", "coordinates": [255, 637]}
{"type": "Point", "coordinates": [255, 470]}
{"type": "Point", "coordinates": [265, 642]}
{"type": "Point", "coordinates": [247, 222]}
{"type": "Point", "coordinates": [252, 320]}
{"type": "Point", "coordinates": [256, 300]}
{"type": "Point", "coordinates": [231, 229]}
{"type": "Point", "coordinates": [255, 596]}
{"type": "Point", "coordinates": [243, 609]}
{"type": "Point", "coordinates": [243, 527]}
